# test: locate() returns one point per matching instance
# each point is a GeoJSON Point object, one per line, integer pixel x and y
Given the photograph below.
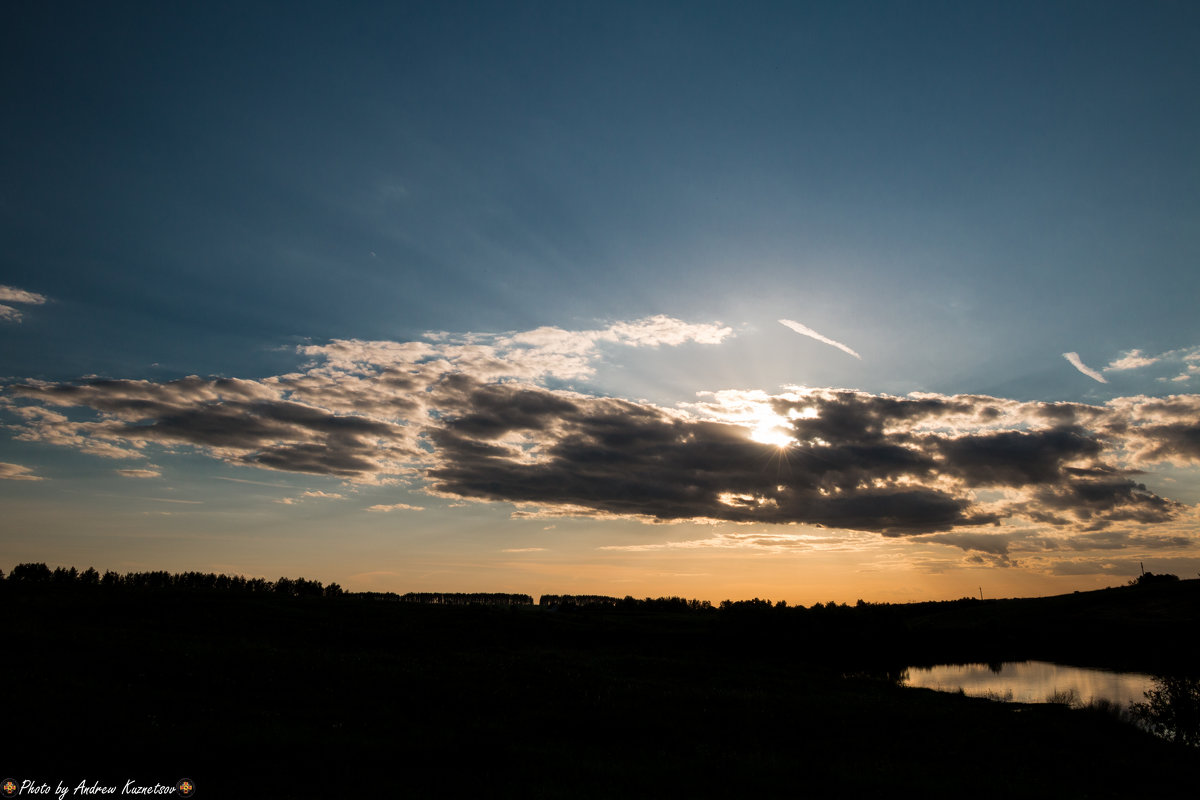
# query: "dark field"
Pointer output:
{"type": "Point", "coordinates": [345, 696]}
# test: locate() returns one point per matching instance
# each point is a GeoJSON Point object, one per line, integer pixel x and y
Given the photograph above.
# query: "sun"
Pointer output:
{"type": "Point", "coordinates": [770, 428]}
{"type": "Point", "coordinates": [752, 411]}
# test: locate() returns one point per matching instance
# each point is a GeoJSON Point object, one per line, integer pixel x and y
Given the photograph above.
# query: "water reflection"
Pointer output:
{"type": "Point", "coordinates": [1032, 682]}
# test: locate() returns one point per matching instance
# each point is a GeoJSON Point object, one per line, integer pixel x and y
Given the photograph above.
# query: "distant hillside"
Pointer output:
{"type": "Point", "coordinates": [1150, 627]}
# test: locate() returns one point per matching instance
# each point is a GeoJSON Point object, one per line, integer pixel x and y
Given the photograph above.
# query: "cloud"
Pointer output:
{"type": "Point", "coordinates": [16, 472]}
{"type": "Point", "coordinates": [239, 421]}
{"type": "Point", "coordinates": [275, 485]}
{"type": "Point", "coordinates": [323, 495]}
{"type": "Point", "coordinates": [139, 473]}
{"type": "Point", "coordinates": [864, 462]}
{"type": "Point", "coordinates": [395, 507]}
{"type": "Point", "coordinates": [10, 294]}
{"type": "Point", "coordinates": [1184, 360]}
{"type": "Point", "coordinates": [1133, 359]}
{"type": "Point", "coordinates": [764, 541]}
{"type": "Point", "coordinates": [993, 543]}
{"type": "Point", "coordinates": [1191, 365]}
{"type": "Point", "coordinates": [1160, 429]}
{"type": "Point", "coordinates": [1078, 364]}
{"type": "Point", "coordinates": [804, 330]}
{"type": "Point", "coordinates": [311, 495]}
{"type": "Point", "coordinates": [471, 418]}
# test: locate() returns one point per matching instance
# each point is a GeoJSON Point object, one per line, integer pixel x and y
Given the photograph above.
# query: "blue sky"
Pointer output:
{"type": "Point", "coordinates": [959, 193]}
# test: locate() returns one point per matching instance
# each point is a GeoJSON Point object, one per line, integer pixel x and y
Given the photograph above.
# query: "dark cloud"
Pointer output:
{"type": "Point", "coordinates": [490, 411]}
{"type": "Point", "coordinates": [864, 462]}
{"type": "Point", "coordinates": [1120, 540]}
{"type": "Point", "coordinates": [846, 416]}
{"type": "Point", "coordinates": [1100, 502]}
{"type": "Point", "coordinates": [1179, 440]}
{"type": "Point", "coordinates": [242, 421]}
{"type": "Point", "coordinates": [1016, 458]}
{"type": "Point", "coordinates": [617, 457]}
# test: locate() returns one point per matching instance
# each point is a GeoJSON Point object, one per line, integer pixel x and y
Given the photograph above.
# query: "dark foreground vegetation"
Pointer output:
{"type": "Point", "coordinates": [289, 689]}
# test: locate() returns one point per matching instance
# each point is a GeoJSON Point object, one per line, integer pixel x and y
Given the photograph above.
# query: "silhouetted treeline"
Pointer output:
{"type": "Point", "coordinates": [202, 581]}
{"type": "Point", "coordinates": [37, 573]}
{"type": "Point", "coordinates": [627, 603]}
{"type": "Point", "coordinates": [467, 598]}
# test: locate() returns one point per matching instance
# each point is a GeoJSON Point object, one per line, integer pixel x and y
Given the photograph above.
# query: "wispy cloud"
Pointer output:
{"type": "Point", "coordinates": [395, 507]}
{"type": "Point", "coordinates": [311, 494]}
{"type": "Point", "coordinates": [1078, 364]}
{"type": "Point", "coordinates": [11, 294]}
{"type": "Point", "coordinates": [804, 330]}
{"type": "Point", "coordinates": [772, 542]}
{"type": "Point", "coordinates": [16, 472]}
{"type": "Point", "coordinates": [253, 483]}
{"type": "Point", "coordinates": [1191, 364]}
{"type": "Point", "coordinates": [139, 473]}
{"type": "Point", "coordinates": [523, 550]}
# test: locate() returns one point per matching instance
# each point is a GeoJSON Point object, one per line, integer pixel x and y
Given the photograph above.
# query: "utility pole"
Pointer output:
{"type": "Point", "coordinates": [981, 594]}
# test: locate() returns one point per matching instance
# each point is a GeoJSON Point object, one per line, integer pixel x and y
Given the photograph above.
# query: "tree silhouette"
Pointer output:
{"type": "Point", "coordinates": [30, 573]}
{"type": "Point", "coordinates": [1172, 709]}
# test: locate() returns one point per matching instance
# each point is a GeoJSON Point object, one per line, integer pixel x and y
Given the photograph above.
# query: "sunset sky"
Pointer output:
{"type": "Point", "coordinates": [807, 301]}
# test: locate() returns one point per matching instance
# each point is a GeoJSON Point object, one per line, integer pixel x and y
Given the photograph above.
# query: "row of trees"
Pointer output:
{"type": "Point", "coordinates": [627, 603]}
{"type": "Point", "coordinates": [201, 581]}
{"type": "Point", "coordinates": [467, 599]}
{"type": "Point", "coordinates": [754, 605]}
{"type": "Point", "coordinates": [38, 573]}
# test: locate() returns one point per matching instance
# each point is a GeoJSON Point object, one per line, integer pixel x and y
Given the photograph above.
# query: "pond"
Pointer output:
{"type": "Point", "coordinates": [1033, 682]}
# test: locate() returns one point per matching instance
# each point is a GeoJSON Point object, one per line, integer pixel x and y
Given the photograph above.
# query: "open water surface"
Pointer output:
{"type": "Point", "coordinates": [1032, 682]}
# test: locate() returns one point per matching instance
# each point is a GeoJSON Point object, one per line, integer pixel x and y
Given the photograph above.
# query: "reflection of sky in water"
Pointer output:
{"type": "Point", "coordinates": [1032, 681]}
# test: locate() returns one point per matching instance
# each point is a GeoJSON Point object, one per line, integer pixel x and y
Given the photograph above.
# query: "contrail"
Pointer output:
{"type": "Point", "coordinates": [804, 330]}
{"type": "Point", "coordinates": [1078, 364]}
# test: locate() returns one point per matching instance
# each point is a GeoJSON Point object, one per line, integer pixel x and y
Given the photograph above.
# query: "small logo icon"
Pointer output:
{"type": "Point", "coordinates": [8, 788]}
{"type": "Point", "coordinates": [185, 788]}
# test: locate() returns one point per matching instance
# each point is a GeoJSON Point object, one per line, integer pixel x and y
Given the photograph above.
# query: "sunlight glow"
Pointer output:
{"type": "Point", "coordinates": [770, 432]}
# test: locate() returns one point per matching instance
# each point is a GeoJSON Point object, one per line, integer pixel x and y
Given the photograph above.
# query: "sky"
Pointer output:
{"type": "Point", "coordinates": [804, 301]}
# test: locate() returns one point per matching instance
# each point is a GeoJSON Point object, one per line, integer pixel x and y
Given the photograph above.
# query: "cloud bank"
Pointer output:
{"type": "Point", "coordinates": [473, 417]}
